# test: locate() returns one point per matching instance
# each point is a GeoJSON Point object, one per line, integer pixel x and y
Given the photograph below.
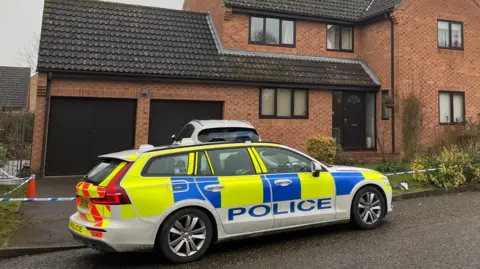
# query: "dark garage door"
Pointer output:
{"type": "Point", "coordinates": [80, 129]}
{"type": "Point", "coordinates": [167, 117]}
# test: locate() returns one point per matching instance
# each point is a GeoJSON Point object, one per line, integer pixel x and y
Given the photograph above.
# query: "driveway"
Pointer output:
{"type": "Point", "coordinates": [434, 232]}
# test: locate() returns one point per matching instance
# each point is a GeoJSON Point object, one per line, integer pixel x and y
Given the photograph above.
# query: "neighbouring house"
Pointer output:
{"type": "Point", "coordinates": [14, 88]}
{"type": "Point", "coordinates": [114, 76]}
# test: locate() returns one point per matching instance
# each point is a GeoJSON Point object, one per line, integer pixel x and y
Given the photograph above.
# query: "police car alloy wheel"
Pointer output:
{"type": "Point", "coordinates": [185, 235]}
{"type": "Point", "coordinates": [368, 208]}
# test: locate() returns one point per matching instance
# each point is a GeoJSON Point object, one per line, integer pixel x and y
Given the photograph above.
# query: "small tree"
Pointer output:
{"type": "Point", "coordinates": [411, 125]}
{"type": "Point", "coordinates": [29, 55]}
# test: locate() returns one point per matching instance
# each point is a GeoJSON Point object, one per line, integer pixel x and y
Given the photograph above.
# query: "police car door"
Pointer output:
{"type": "Point", "coordinates": [298, 196]}
{"type": "Point", "coordinates": [236, 190]}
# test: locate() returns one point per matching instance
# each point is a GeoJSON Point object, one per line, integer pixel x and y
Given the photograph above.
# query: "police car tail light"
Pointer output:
{"type": "Point", "coordinates": [115, 194]}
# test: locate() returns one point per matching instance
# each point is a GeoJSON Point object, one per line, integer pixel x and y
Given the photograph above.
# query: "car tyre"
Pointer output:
{"type": "Point", "coordinates": [368, 208]}
{"type": "Point", "coordinates": [185, 235]}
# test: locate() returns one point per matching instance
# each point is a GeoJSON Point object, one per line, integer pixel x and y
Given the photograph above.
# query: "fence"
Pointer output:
{"type": "Point", "coordinates": [16, 133]}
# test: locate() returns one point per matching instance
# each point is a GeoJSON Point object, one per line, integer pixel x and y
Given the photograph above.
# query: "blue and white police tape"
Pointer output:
{"type": "Point", "coordinates": [412, 172]}
{"type": "Point", "coordinates": [65, 199]}
{"type": "Point", "coordinates": [19, 186]}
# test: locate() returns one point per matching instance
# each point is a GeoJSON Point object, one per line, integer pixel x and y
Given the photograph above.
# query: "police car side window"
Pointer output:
{"type": "Point", "coordinates": [231, 162]}
{"type": "Point", "coordinates": [280, 161]}
{"type": "Point", "coordinates": [204, 167]}
{"type": "Point", "coordinates": [169, 166]}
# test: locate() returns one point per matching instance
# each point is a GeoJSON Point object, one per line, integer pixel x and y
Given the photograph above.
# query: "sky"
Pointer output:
{"type": "Point", "coordinates": [20, 24]}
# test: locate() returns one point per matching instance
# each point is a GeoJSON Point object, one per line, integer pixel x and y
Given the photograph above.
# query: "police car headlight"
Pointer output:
{"type": "Point", "coordinates": [386, 181]}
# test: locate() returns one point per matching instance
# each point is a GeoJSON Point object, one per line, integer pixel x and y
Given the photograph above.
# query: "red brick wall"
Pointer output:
{"type": "Point", "coordinates": [424, 69]}
{"type": "Point", "coordinates": [310, 38]}
{"type": "Point", "coordinates": [38, 124]}
{"type": "Point", "coordinates": [240, 102]}
{"type": "Point", "coordinates": [32, 93]}
{"type": "Point", "coordinates": [374, 49]}
{"type": "Point", "coordinates": [214, 7]}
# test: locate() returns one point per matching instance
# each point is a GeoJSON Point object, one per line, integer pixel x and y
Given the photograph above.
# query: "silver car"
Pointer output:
{"type": "Point", "coordinates": [205, 131]}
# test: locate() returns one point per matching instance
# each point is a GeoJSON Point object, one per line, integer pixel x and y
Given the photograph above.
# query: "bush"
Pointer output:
{"type": "Point", "coordinates": [457, 167]}
{"type": "Point", "coordinates": [465, 135]}
{"type": "Point", "coordinates": [391, 167]}
{"type": "Point", "coordinates": [3, 155]}
{"type": "Point", "coordinates": [411, 125]}
{"type": "Point", "coordinates": [342, 157]}
{"type": "Point", "coordinates": [323, 149]}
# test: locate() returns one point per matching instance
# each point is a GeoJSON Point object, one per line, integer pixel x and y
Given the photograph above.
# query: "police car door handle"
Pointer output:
{"type": "Point", "coordinates": [214, 188]}
{"type": "Point", "coordinates": [283, 182]}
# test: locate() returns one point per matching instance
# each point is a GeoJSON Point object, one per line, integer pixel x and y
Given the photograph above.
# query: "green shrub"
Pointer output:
{"type": "Point", "coordinates": [453, 161]}
{"type": "Point", "coordinates": [3, 155]}
{"type": "Point", "coordinates": [323, 149]}
{"type": "Point", "coordinates": [456, 165]}
{"type": "Point", "coordinates": [342, 157]}
{"type": "Point", "coordinates": [464, 135]}
{"type": "Point", "coordinates": [411, 125]}
{"type": "Point", "coordinates": [392, 167]}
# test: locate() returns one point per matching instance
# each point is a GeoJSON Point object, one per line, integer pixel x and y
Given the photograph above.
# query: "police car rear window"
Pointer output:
{"type": "Point", "coordinates": [228, 134]}
{"type": "Point", "coordinates": [100, 172]}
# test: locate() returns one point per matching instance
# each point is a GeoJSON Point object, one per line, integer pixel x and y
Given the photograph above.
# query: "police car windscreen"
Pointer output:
{"type": "Point", "coordinates": [100, 172]}
{"type": "Point", "coordinates": [228, 134]}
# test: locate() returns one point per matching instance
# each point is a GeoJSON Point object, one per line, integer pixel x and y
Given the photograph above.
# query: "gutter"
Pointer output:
{"type": "Point", "coordinates": [45, 123]}
{"type": "Point", "coordinates": [392, 71]}
{"type": "Point", "coordinates": [211, 80]}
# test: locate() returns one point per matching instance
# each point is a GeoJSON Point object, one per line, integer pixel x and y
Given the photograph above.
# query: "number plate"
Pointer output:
{"type": "Point", "coordinates": [84, 203]}
{"type": "Point", "coordinates": [76, 227]}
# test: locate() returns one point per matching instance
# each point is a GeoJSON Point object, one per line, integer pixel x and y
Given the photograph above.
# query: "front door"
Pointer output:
{"type": "Point", "coordinates": [353, 129]}
{"type": "Point", "coordinates": [298, 196]}
{"type": "Point", "coordinates": [241, 197]}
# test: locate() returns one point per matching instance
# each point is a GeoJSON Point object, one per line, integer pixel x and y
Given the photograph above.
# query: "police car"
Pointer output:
{"type": "Point", "coordinates": [178, 200]}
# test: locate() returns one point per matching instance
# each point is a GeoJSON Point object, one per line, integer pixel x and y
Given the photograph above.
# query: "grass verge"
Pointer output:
{"type": "Point", "coordinates": [413, 185]}
{"type": "Point", "coordinates": [10, 219]}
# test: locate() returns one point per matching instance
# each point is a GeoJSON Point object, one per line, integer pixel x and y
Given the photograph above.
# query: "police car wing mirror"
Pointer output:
{"type": "Point", "coordinates": [173, 137]}
{"type": "Point", "coordinates": [316, 169]}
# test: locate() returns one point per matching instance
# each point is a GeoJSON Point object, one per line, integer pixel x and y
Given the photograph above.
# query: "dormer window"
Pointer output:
{"type": "Point", "coordinates": [272, 31]}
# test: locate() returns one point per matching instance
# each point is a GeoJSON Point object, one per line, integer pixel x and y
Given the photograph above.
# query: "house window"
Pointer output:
{"type": "Point", "coordinates": [451, 107]}
{"type": "Point", "coordinates": [385, 112]}
{"type": "Point", "coordinates": [339, 38]}
{"type": "Point", "coordinates": [283, 103]}
{"type": "Point", "coordinates": [450, 35]}
{"type": "Point", "coordinates": [370, 129]}
{"type": "Point", "coordinates": [272, 31]}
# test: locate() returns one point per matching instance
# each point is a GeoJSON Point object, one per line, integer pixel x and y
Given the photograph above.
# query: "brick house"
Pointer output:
{"type": "Point", "coordinates": [114, 76]}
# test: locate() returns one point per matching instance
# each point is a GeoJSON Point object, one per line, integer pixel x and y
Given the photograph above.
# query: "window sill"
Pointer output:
{"type": "Point", "coordinates": [360, 150]}
{"type": "Point", "coordinates": [449, 48]}
{"type": "Point", "coordinates": [271, 45]}
{"type": "Point", "coordinates": [283, 118]}
{"type": "Point", "coordinates": [345, 51]}
{"type": "Point", "coordinates": [453, 124]}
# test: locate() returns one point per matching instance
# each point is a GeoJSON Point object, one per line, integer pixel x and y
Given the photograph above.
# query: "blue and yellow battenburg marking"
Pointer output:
{"type": "Point", "coordinates": [258, 195]}
{"type": "Point", "coordinates": [256, 189]}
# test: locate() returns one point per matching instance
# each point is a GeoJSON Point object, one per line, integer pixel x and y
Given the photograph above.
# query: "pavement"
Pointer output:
{"type": "Point", "coordinates": [432, 232]}
{"type": "Point", "coordinates": [47, 222]}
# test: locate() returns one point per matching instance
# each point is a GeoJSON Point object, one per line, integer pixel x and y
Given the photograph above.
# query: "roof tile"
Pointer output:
{"type": "Point", "coordinates": [348, 10]}
{"type": "Point", "coordinates": [14, 86]}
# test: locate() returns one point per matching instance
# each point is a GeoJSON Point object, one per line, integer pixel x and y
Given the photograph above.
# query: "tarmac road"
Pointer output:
{"type": "Point", "coordinates": [434, 232]}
